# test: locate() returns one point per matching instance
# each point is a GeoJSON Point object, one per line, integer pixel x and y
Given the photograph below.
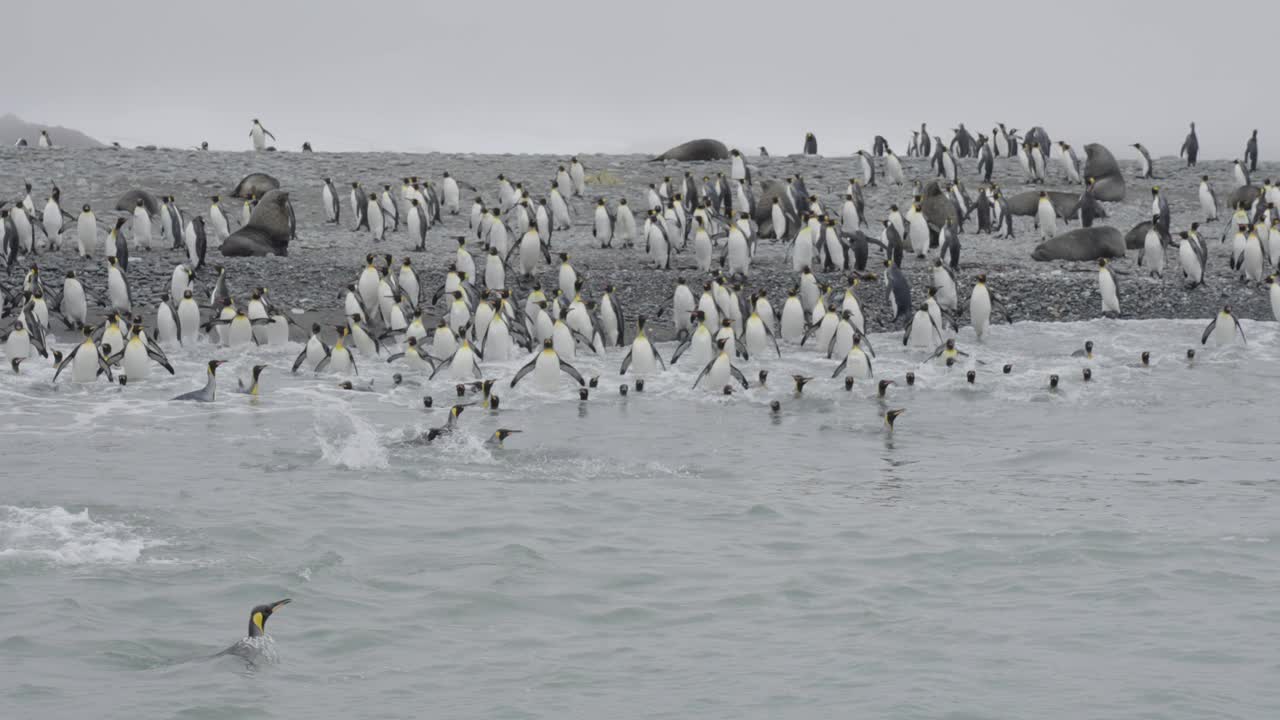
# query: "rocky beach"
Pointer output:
{"type": "Point", "coordinates": [324, 257]}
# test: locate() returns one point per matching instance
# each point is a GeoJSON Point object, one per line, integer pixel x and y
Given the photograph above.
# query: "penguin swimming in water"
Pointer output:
{"type": "Point", "coordinates": [249, 649]}
{"type": "Point", "coordinates": [253, 388]}
{"type": "Point", "coordinates": [209, 392]}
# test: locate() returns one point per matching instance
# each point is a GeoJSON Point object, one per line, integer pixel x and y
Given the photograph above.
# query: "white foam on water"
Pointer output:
{"type": "Point", "coordinates": [349, 441]}
{"type": "Point", "coordinates": [62, 537]}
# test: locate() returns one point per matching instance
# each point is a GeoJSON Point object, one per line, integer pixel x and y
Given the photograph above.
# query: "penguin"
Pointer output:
{"type": "Point", "coordinates": [137, 355]}
{"type": "Point", "coordinates": [1046, 217]}
{"type": "Point", "coordinates": [1070, 163]}
{"type": "Point", "coordinates": [338, 358]}
{"type": "Point", "coordinates": [313, 351]}
{"type": "Point", "coordinates": [86, 232]}
{"type": "Point", "coordinates": [332, 208]}
{"type": "Point", "coordinates": [1144, 162]}
{"type": "Point", "coordinates": [720, 369]}
{"type": "Point", "coordinates": [898, 292]}
{"type": "Point", "coordinates": [611, 321]}
{"type": "Point", "coordinates": [922, 330]}
{"type": "Point", "coordinates": [1251, 154]}
{"type": "Point", "coordinates": [1153, 249]}
{"type": "Point", "coordinates": [44, 141]}
{"type": "Point", "coordinates": [602, 229]}
{"type": "Point", "coordinates": [1192, 256]}
{"type": "Point", "coordinates": [209, 392]}
{"type": "Point", "coordinates": [641, 358]}
{"type": "Point", "coordinates": [1108, 289]}
{"type": "Point", "coordinates": [85, 360]}
{"type": "Point", "coordinates": [1240, 173]}
{"type": "Point", "coordinates": [73, 305]}
{"type": "Point", "coordinates": [389, 208]}
{"type": "Point", "coordinates": [1190, 147]}
{"type": "Point", "coordinates": [1253, 260]}
{"type": "Point", "coordinates": [868, 168]}
{"type": "Point", "coordinates": [166, 322]}
{"type": "Point", "coordinates": [1223, 327]}
{"type": "Point", "coordinates": [221, 228]}
{"type": "Point", "coordinates": [547, 365]}
{"type": "Point", "coordinates": [1208, 200]}
{"type": "Point", "coordinates": [577, 174]}
{"type": "Point", "coordinates": [374, 216]}
{"type": "Point", "coordinates": [856, 362]}
{"type": "Point", "coordinates": [118, 287]}
{"type": "Point", "coordinates": [259, 134]}
{"type": "Point", "coordinates": [188, 319]}
{"type": "Point", "coordinates": [810, 144]}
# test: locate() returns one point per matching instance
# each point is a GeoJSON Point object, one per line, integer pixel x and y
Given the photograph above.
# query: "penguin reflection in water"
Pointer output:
{"type": "Point", "coordinates": [255, 646]}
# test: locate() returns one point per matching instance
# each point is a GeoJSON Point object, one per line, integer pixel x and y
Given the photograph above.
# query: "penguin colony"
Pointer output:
{"type": "Point", "coordinates": [491, 308]}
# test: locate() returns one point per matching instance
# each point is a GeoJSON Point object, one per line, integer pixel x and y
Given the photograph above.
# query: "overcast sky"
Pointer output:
{"type": "Point", "coordinates": [580, 76]}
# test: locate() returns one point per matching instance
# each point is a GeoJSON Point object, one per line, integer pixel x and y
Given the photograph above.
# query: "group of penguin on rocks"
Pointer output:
{"type": "Point", "coordinates": [491, 306]}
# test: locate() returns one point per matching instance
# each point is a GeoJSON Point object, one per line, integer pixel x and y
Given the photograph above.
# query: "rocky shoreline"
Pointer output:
{"type": "Point", "coordinates": [326, 257]}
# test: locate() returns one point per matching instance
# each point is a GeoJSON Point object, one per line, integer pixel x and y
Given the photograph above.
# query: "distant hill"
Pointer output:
{"type": "Point", "coordinates": [13, 127]}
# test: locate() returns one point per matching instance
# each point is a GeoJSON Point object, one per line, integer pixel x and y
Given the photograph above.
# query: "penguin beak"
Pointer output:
{"type": "Point", "coordinates": [277, 605]}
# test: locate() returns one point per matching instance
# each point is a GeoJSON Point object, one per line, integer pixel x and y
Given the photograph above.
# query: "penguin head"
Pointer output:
{"type": "Point", "coordinates": [1053, 382]}
{"type": "Point", "coordinates": [1008, 368]}
{"type": "Point", "coordinates": [891, 416]}
{"type": "Point", "coordinates": [911, 378]}
{"type": "Point", "coordinates": [1087, 374]}
{"type": "Point", "coordinates": [584, 393]}
{"type": "Point", "coordinates": [259, 615]}
{"type": "Point", "coordinates": [1088, 346]}
{"type": "Point", "coordinates": [1102, 262]}
{"type": "Point", "coordinates": [881, 388]}
{"type": "Point", "coordinates": [720, 343]}
{"type": "Point", "coordinates": [1146, 358]}
{"type": "Point", "coordinates": [1191, 354]}
{"type": "Point", "coordinates": [727, 390]}
{"type": "Point", "coordinates": [214, 365]}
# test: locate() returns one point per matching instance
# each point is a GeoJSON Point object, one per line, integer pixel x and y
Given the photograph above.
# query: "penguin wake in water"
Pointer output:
{"type": "Point", "coordinates": [257, 645]}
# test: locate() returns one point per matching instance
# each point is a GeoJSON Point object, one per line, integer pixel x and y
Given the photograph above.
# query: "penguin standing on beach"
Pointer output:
{"type": "Point", "coordinates": [1251, 152]}
{"type": "Point", "coordinates": [259, 135]}
{"type": "Point", "coordinates": [332, 208]}
{"type": "Point", "coordinates": [1145, 168]}
{"type": "Point", "coordinates": [1190, 147]}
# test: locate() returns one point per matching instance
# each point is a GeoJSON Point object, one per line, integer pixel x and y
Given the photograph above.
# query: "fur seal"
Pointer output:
{"type": "Point", "coordinates": [128, 201]}
{"type": "Point", "coordinates": [255, 185]}
{"type": "Point", "coordinates": [1244, 194]}
{"type": "Point", "coordinates": [1088, 243]}
{"type": "Point", "coordinates": [268, 230]}
{"type": "Point", "coordinates": [1136, 238]}
{"type": "Point", "coordinates": [696, 150]}
{"type": "Point", "coordinates": [1101, 165]}
{"type": "Point", "coordinates": [1025, 204]}
{"type": "Point", "coordinates": [769, 189]}
{"type": "Point", "coordinates": [937, 207]}
{"type": "Point", "coordinates": [1038, 135]}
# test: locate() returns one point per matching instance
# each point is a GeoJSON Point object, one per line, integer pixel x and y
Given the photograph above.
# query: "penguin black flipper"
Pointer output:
{"type": "Point", "coordinates": [906, 330]}
{"type": "Point", "coordinates": [737, 375]}
{"type": "Point", "coordinates": [391, 358]}
{"type": "Point", "coordinates": [65, 362]}
{"type": "Point", "coordinates": [840, 368]}
{"type": "Point", "coordinates": [1240, 330]}
{"type": "Point", "coordinates": [809, 331]}
{"type": "Point", "coordinates": [572, 372]}
{"type": "Point", "coordinates": [159, 357]}
{"type": "Point", "coordinates": [774, 338]}
{"type": "Point", "coordinates": [528, 368]}
{"type": "Point", "coordinates": [626, 363]}
{"type": "Point", "coordinates": [583, 339]}
{"type": "Point", "coordinates": [705, 370]}
{"type": "Point", "coordinates": [1208, 330]}
{"type": "Point", "coordinates": [303, 356]}
{"type": "Point", "coordinates": [684, 345]}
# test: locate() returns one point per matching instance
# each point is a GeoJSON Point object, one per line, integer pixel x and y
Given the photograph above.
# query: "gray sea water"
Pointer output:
{"type": "Point", "coordinates": [1109, 550]}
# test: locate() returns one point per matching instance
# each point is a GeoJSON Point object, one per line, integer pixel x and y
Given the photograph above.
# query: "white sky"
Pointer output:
{"type": "Point", "coordinates": [578, 76]}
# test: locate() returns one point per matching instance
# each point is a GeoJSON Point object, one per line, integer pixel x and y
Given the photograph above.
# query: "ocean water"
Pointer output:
{"type": "Point", "coordinates": [1109, 550]}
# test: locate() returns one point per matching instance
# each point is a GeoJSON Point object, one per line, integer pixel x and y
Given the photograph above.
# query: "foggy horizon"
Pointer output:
{"type": "Point", "coordinates": [554, 82]}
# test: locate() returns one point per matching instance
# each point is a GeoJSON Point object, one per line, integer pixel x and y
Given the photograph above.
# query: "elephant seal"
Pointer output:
{"type": "Point", "coordinates": [267, 232]}
{"type": "Point", "coordinates": [255, 185]}
{"type": "Point", "coordinates": [1088, 243]}
{"type": "Point", "coordinates": [128, 201]}
{"type": "Point", "coordinates": [1244, 194]}
{"type": "Point", "coordinates": [695, 150]}
{"type": "Point", "coordinates": [1101, 165]}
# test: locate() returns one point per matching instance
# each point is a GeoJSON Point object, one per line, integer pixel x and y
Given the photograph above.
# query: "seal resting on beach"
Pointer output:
{"type": "Point", "coordinates": [267, 232]}
{"type": "Point", "coordinates": [128, 201]}
{"type": "Point", "coordinates": [693, 150]}
{"type": "Point", "coordinates": [255, 185]}
{"type": "Point", "coordinates": [1088, 243]}
{"type": "Point", "coordinates": [1101, 165]}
